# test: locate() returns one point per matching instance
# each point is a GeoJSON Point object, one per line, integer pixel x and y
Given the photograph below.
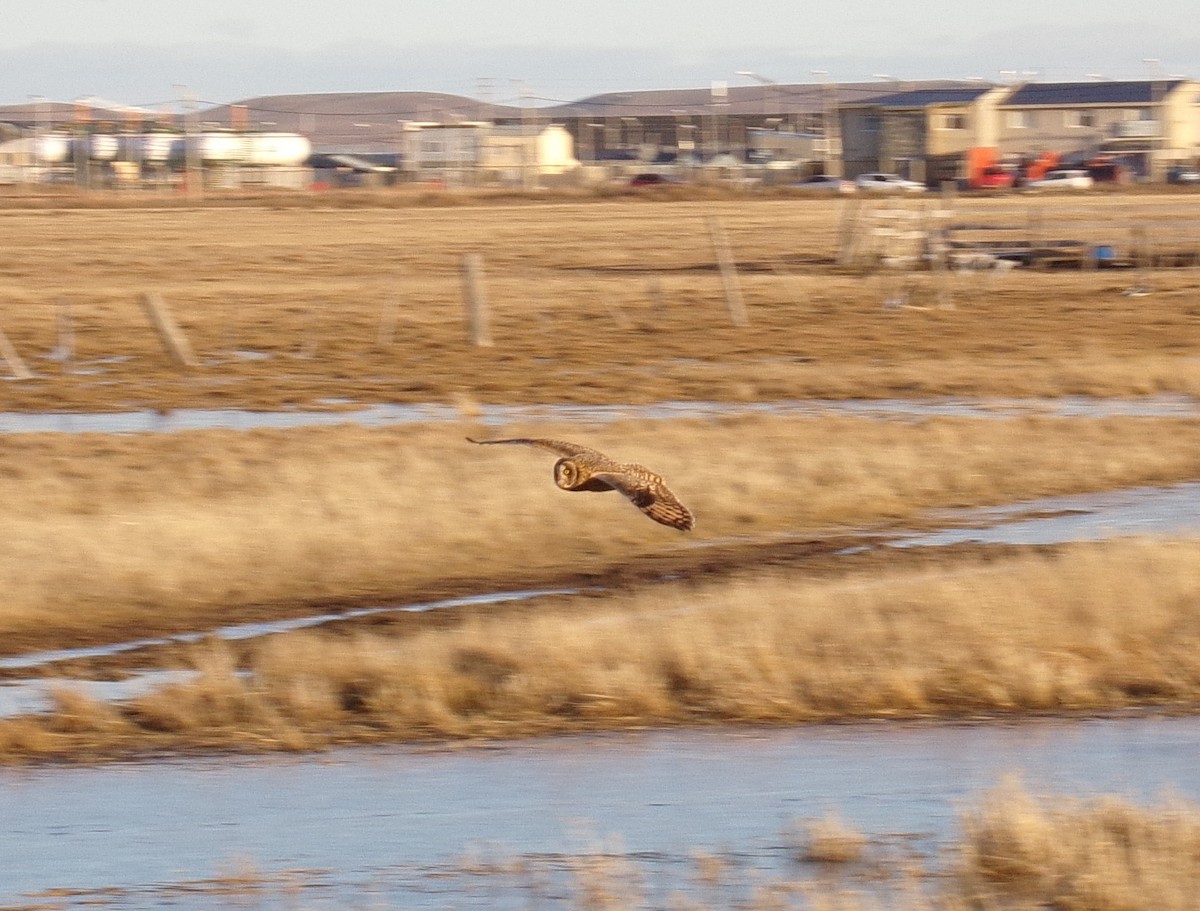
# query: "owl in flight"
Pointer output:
{"type": "Point", "coordinates": [581, 468]}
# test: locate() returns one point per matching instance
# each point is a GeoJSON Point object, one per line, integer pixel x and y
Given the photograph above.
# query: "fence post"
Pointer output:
{"type": "Point", "coordinates": [729, 276]}
{"type": "Point", "coordinates": [15, 364]}
{"type": "Point", "coordinates": [64, 351]}
{"type": "Point", "coordinates": [475, 300]}
{"type": "Point", "coordinates": [387, 321]}
{"type": "Point", "coordinates": [168, 330]}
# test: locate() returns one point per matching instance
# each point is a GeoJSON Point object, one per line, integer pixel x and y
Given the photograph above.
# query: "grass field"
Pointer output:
{"type": "Point", "coordinates": [596, 301]}
{"type": "Point", "coordinates": [113, 537]}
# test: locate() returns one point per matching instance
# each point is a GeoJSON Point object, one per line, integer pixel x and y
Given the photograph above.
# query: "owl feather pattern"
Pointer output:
{"type": "Point", "coordinates": [581, 468]}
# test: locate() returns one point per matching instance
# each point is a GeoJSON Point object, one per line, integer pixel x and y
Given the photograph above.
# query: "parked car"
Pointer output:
{"type": "Point", "coordinates": [652, 179]}
{"type": "Point", "coordinates": [888, 183]}
{"type": "Point", "coordinates": [1183, 174]}
{"type": "Point", "coordinates": [825, 182]}
{"type": "Point", "coordinates": [1062, 179]}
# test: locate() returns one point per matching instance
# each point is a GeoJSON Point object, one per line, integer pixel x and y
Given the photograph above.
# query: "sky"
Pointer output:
{"type": "Point", "coordinates": [150, 52]}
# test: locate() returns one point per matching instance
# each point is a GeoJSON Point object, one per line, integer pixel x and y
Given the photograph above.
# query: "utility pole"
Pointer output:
{"type": "Point", "coordinates": [193, 174]}
{"type": "Point", "coordinates": [524, 98]}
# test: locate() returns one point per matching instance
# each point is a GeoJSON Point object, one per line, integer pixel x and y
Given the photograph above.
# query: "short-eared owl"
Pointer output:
{"type": "Point", "coordinates": [581, 468]}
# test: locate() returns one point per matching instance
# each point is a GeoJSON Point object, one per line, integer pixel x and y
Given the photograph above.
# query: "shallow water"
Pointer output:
{"type": "Point", "coordinates": [150, 421]}
{"type": "Point", "coordinates": [395, 824]}
{"type": "Point", "coordinates": [1080, 517]}
{"type": "Point", "coordinates": [27, 697]}
{"type": "Point", "coordinates": [265, 628]}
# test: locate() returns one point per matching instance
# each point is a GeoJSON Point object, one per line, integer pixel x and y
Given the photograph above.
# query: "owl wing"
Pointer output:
{"type": "Point", "coordinates": [647, 491]}
{"type": "Point", "coordinates": [561, 447]}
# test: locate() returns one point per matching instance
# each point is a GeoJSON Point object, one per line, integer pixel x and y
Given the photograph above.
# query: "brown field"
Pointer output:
{"type": "Point", "coordinates": [599, 300]}
{"type": "Point", "coordinates": [113, 537]}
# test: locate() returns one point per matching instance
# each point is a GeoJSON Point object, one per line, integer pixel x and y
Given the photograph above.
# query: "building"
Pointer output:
{"type": "Point", "coordinates": [1146, 125]}
{"type": "Point", "coordinates": [932, 131]}
{"type": "Point", "coordinates": [922, 134]}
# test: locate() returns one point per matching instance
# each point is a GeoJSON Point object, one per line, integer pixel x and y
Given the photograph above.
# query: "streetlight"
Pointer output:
{"type": "Point", "coordinates": [829, 122]}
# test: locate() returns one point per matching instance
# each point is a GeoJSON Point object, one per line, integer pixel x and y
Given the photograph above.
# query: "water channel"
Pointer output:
{"type": "Point", "coordinates": [415, 828]}
{"type": "Point", "coordinates": [378, 415]}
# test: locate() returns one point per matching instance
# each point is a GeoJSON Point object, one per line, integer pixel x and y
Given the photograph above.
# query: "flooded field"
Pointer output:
{"type": "Point", "coordinates": [964, 527]}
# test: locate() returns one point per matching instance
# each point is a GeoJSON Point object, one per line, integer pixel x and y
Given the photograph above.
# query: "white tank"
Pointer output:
{"type": "Point", "coordinates": [102, 147]}
{"type": "Point", "coordinates": [221, 147]}
{"type": "Point", "coordinates": [279, 149]}
{"type": "Point", "coordinates": [54, 148]}
{"type": "Point", "coordinates": [161, 147]}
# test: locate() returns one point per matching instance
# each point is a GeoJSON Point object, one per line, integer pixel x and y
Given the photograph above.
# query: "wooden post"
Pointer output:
{"type": "Point", "coordinates": [654, 291]}
{"type": "Point", "coordinates": [64, 352]}
{"type": "Point", "coordinates": [387, 321]}
{"type": "Point", "coordinates": [475, 300]}
{"type": "Point", "coordinates": [729, 276]}
{"type": "Point", "coordinates": [168, 330]}
{"type": "Point", "coordinates": [848, 230]}
{"type": "Point", "coordinates": [15, 364]}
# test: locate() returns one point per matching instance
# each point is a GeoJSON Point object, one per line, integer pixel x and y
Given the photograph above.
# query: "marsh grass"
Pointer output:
{"type": "Point", "coordinates": [1082, 628]}
{"type": "Point", "coordinates": [110, 537]}
{"type": "Point", "coordinates": [831, 840]}
{"type": "Point", "coordinates": [1104, 853]}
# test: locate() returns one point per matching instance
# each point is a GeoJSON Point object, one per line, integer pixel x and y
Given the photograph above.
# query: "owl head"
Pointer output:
{"type": "Point", "coordinates": [570, 474]}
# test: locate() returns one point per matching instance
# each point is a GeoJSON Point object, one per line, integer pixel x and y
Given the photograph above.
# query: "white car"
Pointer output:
{"type": "Point", "coordinates": [825, 182]}
{"type": "Point", "coordinates": [1065, 179]}
{"type": "Point", "coordinates": [888, 183]}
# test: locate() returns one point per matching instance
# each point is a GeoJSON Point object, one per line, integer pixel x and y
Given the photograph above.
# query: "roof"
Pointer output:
{"type": "Point", "coordinates": [925, 97]}
{"type": "Point", "coordinates": [779, 98]}
{"type": "Point", "coordinates": [1144, 91]}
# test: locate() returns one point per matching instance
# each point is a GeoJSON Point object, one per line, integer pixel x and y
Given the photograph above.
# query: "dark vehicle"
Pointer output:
{"type": "Point", "coordinates": [1183, 174]}
{"type": "Point", "coordinates": [652, 180]}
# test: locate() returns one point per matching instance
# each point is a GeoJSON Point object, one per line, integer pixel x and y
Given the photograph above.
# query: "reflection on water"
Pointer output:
{"type": "Point", "coordinates": [147, 421]}
{"type": "Point", "coordinates": [389, 823]}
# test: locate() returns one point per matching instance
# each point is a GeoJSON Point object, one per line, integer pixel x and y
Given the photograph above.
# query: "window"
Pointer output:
{"type": "Point", "coordinates": [954, 122]}
{"type": "Point", "coordinates": [1081, 118]}
{"type": "Point", "coordinates": [1020, 120]}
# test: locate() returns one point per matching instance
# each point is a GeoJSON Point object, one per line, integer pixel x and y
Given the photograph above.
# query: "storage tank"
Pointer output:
{"type": "Point", "coordinates": [277, 149]}
{"type": "Point", "coordinates": [159, 148]}
{"type": "Point", "coordinates": [102, 147]}
{"type": "Point", "coordinates": [221, 148]}
{"type": "Point", "coordinates": [53, 148]}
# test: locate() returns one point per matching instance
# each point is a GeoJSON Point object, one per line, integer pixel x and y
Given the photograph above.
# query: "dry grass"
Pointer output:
{"type": "Point", "coordinates": [1102, 854]}
{"type": "Point", "coordinates": [157, 533]}
{"type": "Point", "coordinates": [831, 840]}
{"type": "Point", "coordinates": [1093, 627]}
{"type": "Point", "coordinates": [576, 316]}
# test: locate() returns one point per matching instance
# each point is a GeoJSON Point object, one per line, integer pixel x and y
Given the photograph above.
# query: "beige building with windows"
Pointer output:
{"type": "Point", "coordinates": [1146, 125]}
